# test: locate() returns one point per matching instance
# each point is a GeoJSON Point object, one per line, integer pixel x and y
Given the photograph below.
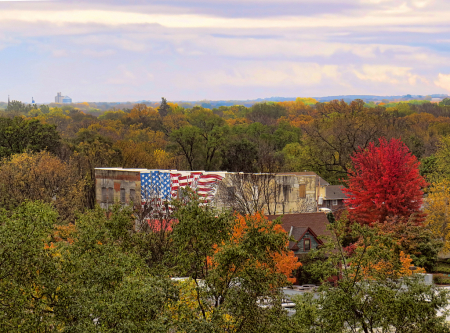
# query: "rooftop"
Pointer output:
{"type": "Point", "coordinates": [317, 222]}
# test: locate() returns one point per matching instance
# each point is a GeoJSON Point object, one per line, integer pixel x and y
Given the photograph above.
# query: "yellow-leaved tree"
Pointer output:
{"type": "Point", "coordinates": [437, 208]}
{"type": "Point", "coordinates": [41, 176]}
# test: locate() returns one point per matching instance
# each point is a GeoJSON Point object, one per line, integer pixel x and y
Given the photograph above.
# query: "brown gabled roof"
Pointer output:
{"type": "Point", "coordinates": [317, 222]}
{"type": "Point", "coordinates": [297, 234]}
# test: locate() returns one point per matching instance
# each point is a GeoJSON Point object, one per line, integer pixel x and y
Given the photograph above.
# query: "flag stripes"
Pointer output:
{"type": "Point", "coordinates": [164, 184]}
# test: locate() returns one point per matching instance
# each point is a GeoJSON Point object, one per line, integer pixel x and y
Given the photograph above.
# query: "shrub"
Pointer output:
{"type": "Point", "coordinates": [441, 279]}
{"type": "Point", "coordinates": [442, 268]}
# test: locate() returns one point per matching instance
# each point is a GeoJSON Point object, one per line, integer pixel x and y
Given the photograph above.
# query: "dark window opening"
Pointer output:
{"type": "Point", "coordinates": [286, 190]}
{"type": "Point", "coordinates": [104, 194]}
{"type": "Point", "coordinates": [110, 195]}
{"type": "Point", "coordinates": [122, 195]}
{"type": "Point", "coordinates": [230, 193]}
{"type": "Point", "coordinates": [307, 244]}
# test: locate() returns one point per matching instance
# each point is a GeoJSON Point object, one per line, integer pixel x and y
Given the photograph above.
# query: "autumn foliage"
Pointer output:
{"type": "Point", "coordinates": [285, 262]}
{"type": "Point", "coordinates": [279, 262]}
{"type": "Point", "coordinates": [384, 181]}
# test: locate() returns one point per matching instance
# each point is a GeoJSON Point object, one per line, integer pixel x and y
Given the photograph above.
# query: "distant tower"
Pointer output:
{"type": "Point", "coordinates": [58, 98]}
{"type": "Point", "coordinates": [8, 101]}
{"type": "Point", "coordinates": [32, 100]}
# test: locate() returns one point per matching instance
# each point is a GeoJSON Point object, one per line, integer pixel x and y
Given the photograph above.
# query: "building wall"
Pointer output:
{"type": "Point", "coordinates": [314, 244]}
{"type": "Point", "coordinates": [114, 181]}
{"type": "Point", "coordinates": [329, 204]}
{"type": "Point", "coordinates": [276, 194]}
{"type": "Point", "coordinates": [297, 194]}
{"type": "Point", "coordinates": [58, 98]}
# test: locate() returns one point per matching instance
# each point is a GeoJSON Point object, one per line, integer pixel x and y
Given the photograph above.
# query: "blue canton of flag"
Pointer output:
{"type": "Point", "coordinates": [156, 183]}
{"type": "Point", "coordinates": [145, 184]}
{"type": "Point", "coordinates": [165, 185]}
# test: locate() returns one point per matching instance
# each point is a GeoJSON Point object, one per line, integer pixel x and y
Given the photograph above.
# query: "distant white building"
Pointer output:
{"type": "Point", "coordinates": [58, 98]}
{"type": "Point", "coordinates": [62, 99]}
{"type": "Point", "coordinates": [67, 99]}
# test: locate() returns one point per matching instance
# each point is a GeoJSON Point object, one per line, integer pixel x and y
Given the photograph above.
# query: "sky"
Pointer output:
{"type": "Point", "coordinates": [116, 50]}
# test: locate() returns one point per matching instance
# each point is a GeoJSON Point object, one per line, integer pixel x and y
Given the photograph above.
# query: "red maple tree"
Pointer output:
{"type": "Point", "coordinates": [385, 181]}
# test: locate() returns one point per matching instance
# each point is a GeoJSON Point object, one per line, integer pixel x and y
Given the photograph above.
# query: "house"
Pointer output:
{"type": "Point", "coordinates": [306, 230]}
{"type": "Point", "coordinates": [331, 196]}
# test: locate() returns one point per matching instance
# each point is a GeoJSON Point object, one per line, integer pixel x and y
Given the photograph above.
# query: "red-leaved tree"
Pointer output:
{"type": "Point", "coordinates": [385, 181]}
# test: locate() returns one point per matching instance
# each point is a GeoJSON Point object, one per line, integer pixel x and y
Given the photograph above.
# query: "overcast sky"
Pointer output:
{"type": "Point", "coordinates": [118, 50]}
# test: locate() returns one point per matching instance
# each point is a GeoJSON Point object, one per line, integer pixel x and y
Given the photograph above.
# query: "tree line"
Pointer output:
{"type": "Point", "coordinates": [66, 265]}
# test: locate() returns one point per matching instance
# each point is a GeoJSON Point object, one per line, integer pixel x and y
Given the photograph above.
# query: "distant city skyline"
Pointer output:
{"type": "Point", "coordinates": [116, 51]}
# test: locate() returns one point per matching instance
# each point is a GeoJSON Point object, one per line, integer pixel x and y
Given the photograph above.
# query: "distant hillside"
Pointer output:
{"type": "Point", "coordinates": [210, 104]}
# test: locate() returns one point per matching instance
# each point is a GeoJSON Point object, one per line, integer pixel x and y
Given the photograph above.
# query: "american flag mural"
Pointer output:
{"type": "Point", "coordinates": [166, 185]}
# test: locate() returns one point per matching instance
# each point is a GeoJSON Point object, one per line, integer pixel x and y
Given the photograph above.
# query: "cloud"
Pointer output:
{"type": "Point", "coordinates": [223, 48]}
{"type": "Point", "coordinates": [98, 53]}
{"type": "Point", "coordinates": [387, 74]}
{"type": "Point", "coordinates": [129, 77]}
{"type": "Point", "coordinates": [443, 81]}
{"type": "Point", "coordinates": [59, 53]}
{"type": "Point", "coordinates": [273, 74]}
{"type": "Point", "coordinates": [117, 18]}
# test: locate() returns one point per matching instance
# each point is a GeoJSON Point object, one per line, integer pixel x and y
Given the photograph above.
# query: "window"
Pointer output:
{"type": "Point", "coordinates": [132, 195]}
{"type": "Point", "coordinates": [286, 190]}
{"type": "Point", "coordinates": [307, 244]}
{"type": "Point", "coordinates": [104, 194]}
{"type": "Point", "coordinates": [335, 202]}
{"type": "Point", "coordinates": [230, 193]}
{"type": "Point", "coordinates": [110, 194]}
{"type": "Point", "coordinates": [122, 195]}
{"type": "Point", "coordinates": [302, 191]}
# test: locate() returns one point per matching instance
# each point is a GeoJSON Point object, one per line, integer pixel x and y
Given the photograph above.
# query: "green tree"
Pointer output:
{"type": "Point", "coordinates": [186, 141]}
{"type": "Point", "coordinates": [26, 267]}
{"type": "Point", "coordinates": [266, 113]}
{"type": "Point", "coordinates": [18, 135]}
{"type": "Point", "coordinates": [232, 271]}
{"type": "Point", "coordinates": [16, 108]}
{"type": "Point", "coordinates": [106, 286]}
{"type": "Point", "coordinates": [213, 134]}
{"type": "Point", "coordinates": [89, 151]}
{"type": "Point", "coordinates": [445, 102]}
{"type": "Point", "coordinates": [341, 130]}
{"type": "Point", "coordinates": [164, 108]}
{"type": "Point", "coordinates": [240, 155]}
{"type": "Point", "coordinates": [442, 164]}
{"type": "Point", "coordinates": [369, 290]}
{"type": "Point", "coordinates": [85, 277]}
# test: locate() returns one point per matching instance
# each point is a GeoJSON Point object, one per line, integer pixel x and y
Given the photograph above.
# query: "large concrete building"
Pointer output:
{"type": "Point", "coordinates": [281, 193]}
{"type": "Point", "coordinates": [62, 99]}
{"type": "Point", "coordinates": [58, 98]}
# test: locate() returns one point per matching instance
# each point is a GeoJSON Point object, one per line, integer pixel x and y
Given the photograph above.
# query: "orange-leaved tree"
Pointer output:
{"type": "Point", "coordinates": [284, 261]}
{"type": "Point", "coordinates": [237, 263]}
